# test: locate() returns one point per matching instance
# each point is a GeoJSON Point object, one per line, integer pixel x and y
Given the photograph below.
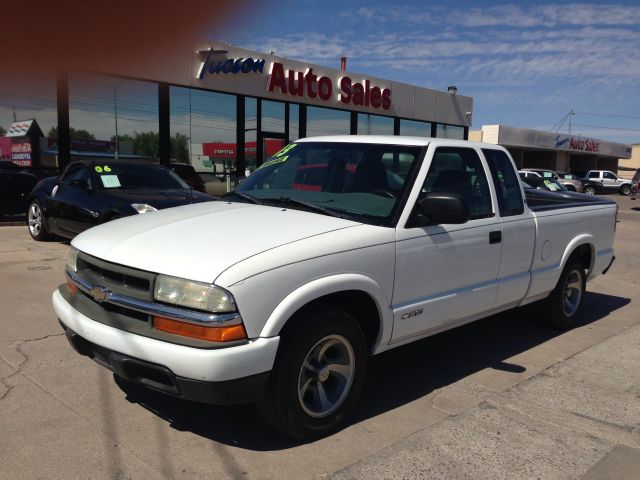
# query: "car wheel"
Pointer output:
{"type": "Point", "coordinates": [317, 377]}
{"type": "Point", "coordinates": [625, 190]}
{"type": "Point", "coordinates": [562, 308]}
{"type": "Point", "coordinates": [35, 222]}
{"type": "Point", "coordinates": [589, 190]}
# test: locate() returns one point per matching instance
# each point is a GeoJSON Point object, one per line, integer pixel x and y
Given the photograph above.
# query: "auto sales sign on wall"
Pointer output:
{"type": "Point", "coordinates": [336, 89]}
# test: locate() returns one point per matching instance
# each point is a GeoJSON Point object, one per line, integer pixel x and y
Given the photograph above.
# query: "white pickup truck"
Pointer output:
{"type": "Point", "coordinates": [335, 249]}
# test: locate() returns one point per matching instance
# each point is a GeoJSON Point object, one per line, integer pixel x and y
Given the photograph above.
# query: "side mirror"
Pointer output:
{"type": "Point", "coordinates": [439, 208]}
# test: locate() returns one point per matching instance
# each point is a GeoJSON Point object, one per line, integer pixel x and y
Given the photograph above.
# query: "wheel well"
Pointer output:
{"type": "Point", "coordinates": [585, 253]}
{"type": "Point", "coordinates": [356, 303]}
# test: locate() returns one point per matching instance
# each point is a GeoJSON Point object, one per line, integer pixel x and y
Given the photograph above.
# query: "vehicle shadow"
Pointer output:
{"type": "Point", "coordinates": [394, 378]}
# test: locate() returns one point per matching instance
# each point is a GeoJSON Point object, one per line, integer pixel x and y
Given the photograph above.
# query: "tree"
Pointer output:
{"type": "Point", "coordinates": [180, 148]}
{"type": "Point", "coordinates": [146, 144]}
{"type": "Point", "coordinates": [73, 133]}
{"type": "Point", "coordinates": [2, 132]}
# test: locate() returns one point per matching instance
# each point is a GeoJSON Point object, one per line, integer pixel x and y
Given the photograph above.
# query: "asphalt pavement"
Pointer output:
{"type": "Point", "coordinates": [504, 397]}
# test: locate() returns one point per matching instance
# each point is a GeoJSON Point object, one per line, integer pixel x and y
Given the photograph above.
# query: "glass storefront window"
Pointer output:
{"type": "Point", "coordinates": [327, 121]}
{"type": "Point", "coordinates": [272, 116]}
{"type": "Point", "coordinates": [450, 131]}
{"type": "Point", "coordinates": [208, 120]}
{"type": "Point", "coordinates": [250, 133]}
{"type": "Point", "coordinates": [113, 117]}
{"type": "Point", "coordinates": [414, 128]}
{"type": "Point", "coordinates": [28, 114]}
{"type": "Point", "coordinates": [294, 122]}
{"type": "Point", "coordinates": [374, 124]}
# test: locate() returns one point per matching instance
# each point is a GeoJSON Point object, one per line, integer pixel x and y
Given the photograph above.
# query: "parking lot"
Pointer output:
{"type": "Point", "coordinates": [504, 397]}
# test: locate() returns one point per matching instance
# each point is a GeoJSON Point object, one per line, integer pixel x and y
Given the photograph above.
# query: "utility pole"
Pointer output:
{"type": "Point", "coordinates": [115, 110]}
{"type": "Point", "coordinates": [571, 114]}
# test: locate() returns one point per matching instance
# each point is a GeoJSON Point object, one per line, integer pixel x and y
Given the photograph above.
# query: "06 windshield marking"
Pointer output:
{"type": "Point", "coordinates": [359, 181]}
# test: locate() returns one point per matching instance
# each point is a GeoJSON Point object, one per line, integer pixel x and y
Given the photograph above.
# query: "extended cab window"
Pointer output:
{"type": "Point", "coordinates": [459, 170]}
{"type": "Point", "coordinates": [506, 182]}
{"type": "Point", "coordinates": [594, 174]}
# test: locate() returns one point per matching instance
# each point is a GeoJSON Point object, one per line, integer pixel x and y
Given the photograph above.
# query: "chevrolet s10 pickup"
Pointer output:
{"type": "Point", "coordinates": [336, 249]}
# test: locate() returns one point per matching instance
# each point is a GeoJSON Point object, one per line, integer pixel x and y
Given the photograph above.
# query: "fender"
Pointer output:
{"type": "Point", "coordinates": [325, 286]}
{"type": "Point", "coordinates": [582, 239]}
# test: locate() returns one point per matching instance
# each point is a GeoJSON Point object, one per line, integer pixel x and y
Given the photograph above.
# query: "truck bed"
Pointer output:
{"type": "Point", "coordinates": [542, 200]}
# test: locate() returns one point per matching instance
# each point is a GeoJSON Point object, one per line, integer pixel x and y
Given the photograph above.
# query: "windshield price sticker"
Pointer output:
{"type": "Point", "coordinates": [110, 181]}
{"type": "Point", "coordinates": [275, 161]}
{"type": "Point", "coordinates": [285, 150]}
{"type": "Point", "coordinates": [105, 168]}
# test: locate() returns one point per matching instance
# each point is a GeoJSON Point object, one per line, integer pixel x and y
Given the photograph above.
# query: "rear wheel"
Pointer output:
{"type": "Point", "coordinates": [589, 190]}
{"type": "Point", "coordinates": [317, 377]}
{"type": "Point", "coordinates": [35, 221]}
{"type": "Point", "coordinates": [625, 190]}
{"type": "Point", "coordinates": [562, 308]}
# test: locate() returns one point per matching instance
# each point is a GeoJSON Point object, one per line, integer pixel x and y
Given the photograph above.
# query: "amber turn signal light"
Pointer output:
{"type": "Point", "coordinates": [211, 334]}
{"type": "Point", "coordinates": [72, 287]}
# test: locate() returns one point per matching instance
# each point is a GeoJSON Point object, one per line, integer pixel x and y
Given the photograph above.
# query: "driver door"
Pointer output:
{"type": "Point", "coordinates": [72, 204]}
{"type": "Point", "coordinates": [446, 274]}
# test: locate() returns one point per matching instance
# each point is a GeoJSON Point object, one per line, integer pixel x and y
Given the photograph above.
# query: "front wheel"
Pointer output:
{"type": "Point", "coordinates": [625, 190]}
{"type": "Point", "coordinates": [589, 190]}
{"type": "Point", "coordinates": [317, 377]}
{"type": "Point", "coordinates": [35, 221]}
{"type": "Point", "coordinates": [562, 308]}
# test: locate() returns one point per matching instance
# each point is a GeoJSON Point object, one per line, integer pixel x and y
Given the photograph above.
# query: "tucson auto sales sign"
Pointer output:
{"type": "Point", "coordinates": [21, 153]}
{"type": "Point", "coordinates": [295, 83]}
{"type": "Point", "coordinates": [568, 142]}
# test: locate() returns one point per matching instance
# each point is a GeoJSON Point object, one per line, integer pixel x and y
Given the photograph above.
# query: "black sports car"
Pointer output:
{"type": "Point", "coordinates": [91, 192]}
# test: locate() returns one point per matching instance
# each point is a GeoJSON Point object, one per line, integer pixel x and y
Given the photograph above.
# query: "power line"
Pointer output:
{"type": "Point", "coordinates": [609, 115]}
{"type": "Point", "coordinates": [608, 128]}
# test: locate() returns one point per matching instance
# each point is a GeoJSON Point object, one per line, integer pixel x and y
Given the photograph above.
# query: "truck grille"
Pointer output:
{"type": "Point", "coordinates": [117, 278]}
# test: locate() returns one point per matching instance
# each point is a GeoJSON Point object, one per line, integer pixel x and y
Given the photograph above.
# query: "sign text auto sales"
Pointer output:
{"type": "Point", "coordinates": [308, 84]}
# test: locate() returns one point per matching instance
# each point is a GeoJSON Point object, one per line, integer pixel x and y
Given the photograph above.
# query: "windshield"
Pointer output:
{"type": "Point", "coordinates": [137, 176]}
{"type": "Point", "coordinates": [360, 181]}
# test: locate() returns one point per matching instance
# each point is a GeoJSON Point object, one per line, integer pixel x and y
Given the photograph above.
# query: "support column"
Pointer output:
{"type": "Point", "coordinates": [64, 138]}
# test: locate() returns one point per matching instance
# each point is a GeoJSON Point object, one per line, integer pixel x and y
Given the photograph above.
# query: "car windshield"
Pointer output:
{"type": "Point", "coordinates": [127, 176]}
{"type": "Point", "coordinates": [359, 181]}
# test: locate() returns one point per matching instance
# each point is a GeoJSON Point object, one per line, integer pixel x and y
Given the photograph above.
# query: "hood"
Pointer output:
{"type": "Point", "coordinates": [201, 241]}
{"type": "Point", "coordinates": [160, 198]}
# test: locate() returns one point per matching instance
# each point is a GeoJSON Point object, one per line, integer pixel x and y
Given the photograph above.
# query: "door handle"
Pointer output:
{"type": "Point", "coordinates": [495, 237]}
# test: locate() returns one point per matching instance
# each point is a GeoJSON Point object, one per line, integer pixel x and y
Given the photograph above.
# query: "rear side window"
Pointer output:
{"type": "Point", "coordinates": [506, 182]}
{"type": "Point", "coordinates": [594, 174]}
{"type": "Point", "coordinates": [459, 170]}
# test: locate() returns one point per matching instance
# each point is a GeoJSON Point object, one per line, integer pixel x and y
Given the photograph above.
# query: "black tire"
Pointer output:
{"type": "Point", "coordinates": [292, 403]}
{"type": "Point", "coordinates": [589, 190]}
{"type": "Point", "coordinates": [625, 190]}
{"type": "Point", "coordinates": [563, 307]}
{"type": "Point", "coordinates": [35, 222]}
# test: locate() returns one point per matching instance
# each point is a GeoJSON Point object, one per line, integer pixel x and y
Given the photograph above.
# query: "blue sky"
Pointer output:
{"type": "Point", "coordinates": [526, 64]}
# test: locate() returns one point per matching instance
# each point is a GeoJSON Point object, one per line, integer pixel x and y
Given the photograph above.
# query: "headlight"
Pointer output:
{"type": "Point", "coordinates": [72, 259]}
{"type": "Point", "coordinates": [143, 208]}
{"type": "Point", "coordinates": [201, 296]}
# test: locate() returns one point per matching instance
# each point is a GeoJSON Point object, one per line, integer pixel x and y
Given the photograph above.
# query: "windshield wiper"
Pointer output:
{"type": "Point", "coordinates": [245, 196]}
{"type": "Point", "coordinates": [301, 203]}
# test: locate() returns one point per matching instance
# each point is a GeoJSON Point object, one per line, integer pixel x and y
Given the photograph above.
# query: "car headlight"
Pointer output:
{"type": "Point", "coordinates": [143, 208]}
{"type": "Point", "coordinates": [72, 259]}
{"type": "Point", "coordinates": [186, 293]}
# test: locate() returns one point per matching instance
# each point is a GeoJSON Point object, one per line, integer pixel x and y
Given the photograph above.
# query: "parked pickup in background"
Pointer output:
{"type": "Point", "coordinates": [279, 293]}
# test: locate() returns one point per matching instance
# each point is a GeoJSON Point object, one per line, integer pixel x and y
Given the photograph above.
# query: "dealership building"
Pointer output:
{"type": "Point", "coordinates": [216, 106]}
{"type": "Point", "coordinates": [552, 150]}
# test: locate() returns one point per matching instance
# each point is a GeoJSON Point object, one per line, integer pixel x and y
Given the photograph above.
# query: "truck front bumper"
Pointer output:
{"type": "Point", "coordinates": [232, 375]}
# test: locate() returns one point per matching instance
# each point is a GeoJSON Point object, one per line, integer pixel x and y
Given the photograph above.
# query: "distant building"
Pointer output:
{"type": "Point", "coordinates": [555, 151]}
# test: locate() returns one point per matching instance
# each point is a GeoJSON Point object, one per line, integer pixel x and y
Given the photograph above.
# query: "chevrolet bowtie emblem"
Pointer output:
{"type": "Point", "coordinates": [99, 294]}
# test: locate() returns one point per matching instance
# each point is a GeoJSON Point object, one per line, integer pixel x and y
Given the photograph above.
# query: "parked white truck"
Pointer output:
{"type": "Point", "coordinates": [335, 249]}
